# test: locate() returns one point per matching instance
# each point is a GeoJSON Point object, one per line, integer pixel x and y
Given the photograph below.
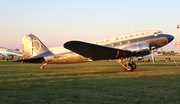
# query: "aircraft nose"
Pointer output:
{"type": "Point", "coordinates": [170, 38]}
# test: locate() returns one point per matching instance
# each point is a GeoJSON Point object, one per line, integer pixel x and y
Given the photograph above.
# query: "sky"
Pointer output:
{"type": "Point", "coordinates": [56, 21]}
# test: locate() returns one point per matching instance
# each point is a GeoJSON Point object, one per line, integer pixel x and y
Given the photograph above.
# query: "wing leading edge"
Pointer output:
{"type": "Point", "coordinates": [96, 52]}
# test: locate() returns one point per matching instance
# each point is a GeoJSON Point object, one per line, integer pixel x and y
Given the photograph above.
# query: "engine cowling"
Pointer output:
{"type": "Point", "coordinates": [139, 49]}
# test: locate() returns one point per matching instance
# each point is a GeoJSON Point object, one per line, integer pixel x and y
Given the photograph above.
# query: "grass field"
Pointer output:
{"type": "Point", "coordinates": [99, 82]}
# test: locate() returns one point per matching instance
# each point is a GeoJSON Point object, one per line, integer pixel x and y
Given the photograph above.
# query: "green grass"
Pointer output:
{"type": "Point", "coordinates": [99, 82]}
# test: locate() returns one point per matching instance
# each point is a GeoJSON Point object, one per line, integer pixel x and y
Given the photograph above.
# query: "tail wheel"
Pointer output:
{"type": "Point", "coordinates": [41, 67]}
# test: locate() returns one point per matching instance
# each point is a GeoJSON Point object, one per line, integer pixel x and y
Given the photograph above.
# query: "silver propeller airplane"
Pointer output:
{"type": "Point", "coordinates": [125, 46]}
{"type": "Point", "coordinates": [9, 53]}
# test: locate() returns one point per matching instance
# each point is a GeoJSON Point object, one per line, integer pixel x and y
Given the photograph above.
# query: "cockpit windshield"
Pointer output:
{"type": "Point", "coordinates": [160, 32]}
{"type": "Point", "coordinates": [156, 33]}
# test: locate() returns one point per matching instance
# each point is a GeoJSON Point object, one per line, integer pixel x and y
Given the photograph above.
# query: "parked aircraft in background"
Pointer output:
{"type": "Point", "coordinates": [9, 53]}
{"type": "Point", "coordinates": [121, 48]}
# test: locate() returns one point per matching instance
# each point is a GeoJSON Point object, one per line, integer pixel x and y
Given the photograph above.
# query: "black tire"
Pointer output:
{"type": "Point", "coordinates": [133, 66]}
{"type": "Point", "coordinates": [42, 67]}
{"type": "Point", "coordinates": [125, 69]}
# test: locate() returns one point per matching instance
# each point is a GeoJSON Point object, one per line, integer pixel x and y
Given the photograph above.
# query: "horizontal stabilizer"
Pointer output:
{"type": "Point", "coordinates": [37, 59]}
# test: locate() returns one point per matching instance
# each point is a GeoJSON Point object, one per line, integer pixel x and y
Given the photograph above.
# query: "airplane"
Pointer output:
{"type": "Point", "coordinates": [123, 48]}
{"type": "Point", "coordinates": [9, 53]}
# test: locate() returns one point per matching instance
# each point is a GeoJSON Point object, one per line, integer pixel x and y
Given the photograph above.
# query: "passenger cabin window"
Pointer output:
{"type": "Point", "coordinates": [108, 45]}
{"type": "Point", "coordinates": [102, 41]}
{"type": "Point", "coordinates": [117, 44]}
{"type": "Point", "coordinates": [131, 36]}
{"type": "Point", "coordinates": [123, 42]}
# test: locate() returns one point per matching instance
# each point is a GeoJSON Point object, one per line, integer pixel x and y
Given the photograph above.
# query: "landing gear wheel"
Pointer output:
{"type": "Point", "coordinates": [127, 67]}
{"type": "Point", "coordinates": [130, 67]}
{"type": "Point", "coordinates": [134, 65]}
{"type": "Point", "coordinates": [43, 65]}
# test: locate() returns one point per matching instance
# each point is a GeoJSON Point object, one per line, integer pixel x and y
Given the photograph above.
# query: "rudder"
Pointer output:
{"type": "Point", "coordinates": [32, 46]}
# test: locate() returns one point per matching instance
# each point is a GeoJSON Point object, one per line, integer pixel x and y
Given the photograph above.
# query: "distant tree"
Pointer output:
{"type": "Point", "coordinates": [172, 52]}
{"type": "Point", "coordinates": [169, 53]}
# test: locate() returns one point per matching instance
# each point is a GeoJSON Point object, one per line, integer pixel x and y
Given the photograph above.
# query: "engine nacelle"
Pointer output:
{"type": "Point", "coordinates": [139, 49]}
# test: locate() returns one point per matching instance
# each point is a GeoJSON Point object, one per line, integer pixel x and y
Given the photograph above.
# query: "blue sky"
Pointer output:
{"type": "Point", "coordinates": [58, 21]}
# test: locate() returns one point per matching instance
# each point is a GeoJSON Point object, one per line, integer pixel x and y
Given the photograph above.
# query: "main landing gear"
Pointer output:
{"type": "Point", "coordinates": [127, 64]}
{"type": "Point", "coordinates": [43, 65]}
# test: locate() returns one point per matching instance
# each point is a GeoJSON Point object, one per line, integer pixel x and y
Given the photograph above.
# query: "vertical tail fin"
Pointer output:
{"type": "Point", "coordinates": [32, 46]}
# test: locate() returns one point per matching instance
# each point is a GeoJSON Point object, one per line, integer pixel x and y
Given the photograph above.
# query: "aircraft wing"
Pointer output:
{"type": "Point", "coordinates": [96, 52]}
{"type": "Point", "coordinates": [1, 54]}
{"type": "Point", "coordinates": [9, 52]}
